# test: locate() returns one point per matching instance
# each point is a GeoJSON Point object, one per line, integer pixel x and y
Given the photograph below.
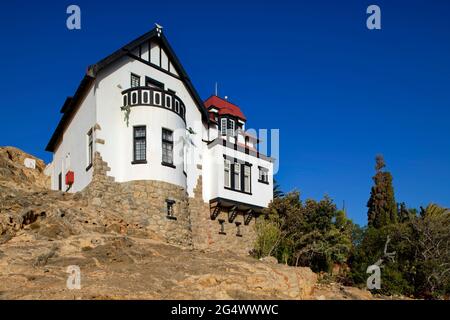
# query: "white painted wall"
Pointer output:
{"type": "Point", "coordinates": [118, 149]}
{"type": "Point", "coordinates": [102, 106]}
{"type": "Point", "coordinates": [213, 177]}
{"type": "Point", "coordinates": [74, 147]}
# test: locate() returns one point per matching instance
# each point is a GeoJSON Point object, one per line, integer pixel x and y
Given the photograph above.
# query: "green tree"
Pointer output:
{"type": "Point", "coordinates": [313, 233]}
{"type": "Point", "coordinates": [421, 267]}
{"type": "Point", "coordinates": [405, 214]}
{"type": "Point", "coordinates": [382, 206]}
{"type": "Point", "coordinates": [277, 192]}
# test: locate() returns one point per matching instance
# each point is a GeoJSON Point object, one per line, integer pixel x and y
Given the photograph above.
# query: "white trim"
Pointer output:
{"type": "Point", "coordinates": [154, 98]}
{"type": "Point", "coordinates": [148, 96]}
{"type": "Point", "coordinates": [169, 106]}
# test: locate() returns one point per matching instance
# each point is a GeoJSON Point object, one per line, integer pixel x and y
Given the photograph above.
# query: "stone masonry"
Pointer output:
{"type": "Point", "coordinates": [144, 202]}
{"type": "Point", "coordinates": [207, 233]}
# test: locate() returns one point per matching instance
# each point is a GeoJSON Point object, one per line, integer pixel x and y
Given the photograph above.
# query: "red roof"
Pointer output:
{"type": "Point", "coordinates": [224, 107]}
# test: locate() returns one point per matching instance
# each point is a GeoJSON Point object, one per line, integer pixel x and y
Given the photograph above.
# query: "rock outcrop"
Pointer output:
{"type": "Point", "coordinates": [43, 232]}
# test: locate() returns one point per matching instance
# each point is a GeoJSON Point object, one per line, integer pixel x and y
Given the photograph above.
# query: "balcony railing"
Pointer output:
{"type": "Point", "coordinates": [153, 97]}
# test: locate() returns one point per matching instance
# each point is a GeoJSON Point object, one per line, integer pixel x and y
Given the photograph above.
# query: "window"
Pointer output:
{"type": "Point", "coordinates": [170, 209]}
{"type": "Point", "coordinates": [222, 226]}
{"type": "Point", "coordinates": [263, 175]}
{"type": "Point", "coordinates": [237, 176]}
{"type": "Point", "coordinates": [135, 80]}
{"type": "Point", "coordinates": [90, 149]}
{"type": "Point", "coordinates": [149, 82]}
{"type": "Point", "coordinates": [227, 173]}
{"type": "Point", "coordinates": [238, 229]}
{"type": "Point", "coordinates": [230, 127]}
{"type": "Point", "coordinates": [139, 144]}
{"type": "Point", "coordinates": [185, 158]}
{"type": "Point", "coordinates": [227, 126]}
{"type": "Point", "coordinates": [167, 147]}
{"type": "Point", "coordinates": [60, 181]}
{"type": "Point", "coordinates": [247, 178]}
{"type": "Point", "coordinates": [223, 126]}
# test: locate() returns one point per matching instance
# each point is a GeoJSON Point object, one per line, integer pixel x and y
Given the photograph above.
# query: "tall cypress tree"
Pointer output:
{"type": "Point", "coordinates": [382, 206]}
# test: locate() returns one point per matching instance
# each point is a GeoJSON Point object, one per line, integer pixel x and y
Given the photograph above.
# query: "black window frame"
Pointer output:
{"type": "Point", "coordinates": [238, 229]}
{"type": "Point", "coordinates": [222, 227]}
{"type": "Point", "coordinates": [133, 75]}
{"type": "Point", "coordinates": [90, 149]}
{"type": "Point", "coordinates": [135, 139]}
{"type": "Point", "coordinates": [60, 181]}
{"type": "Point", "coordinates": [170, 209]}
{"type": "Point", "coordinates": [167, 142]}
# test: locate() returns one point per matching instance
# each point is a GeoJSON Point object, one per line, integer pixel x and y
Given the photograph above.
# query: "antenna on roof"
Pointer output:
{"type": "Point", "coordinates": [215, 92]}
{"type": "Point", "coordinates": [158, 29]}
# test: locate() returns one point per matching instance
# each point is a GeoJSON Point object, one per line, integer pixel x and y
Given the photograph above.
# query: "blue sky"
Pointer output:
{"type": "Point", "coordinates": [338, 92]}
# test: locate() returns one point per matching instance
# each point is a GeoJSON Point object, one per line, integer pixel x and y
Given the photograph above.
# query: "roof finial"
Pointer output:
{"type": "Point", "coordinates": [159, 29]}
{"type": "Point", "coordinates": [216, 90]}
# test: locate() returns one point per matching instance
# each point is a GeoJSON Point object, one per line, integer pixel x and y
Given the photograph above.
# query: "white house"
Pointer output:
{"type": "Point", "coordinates": [138, 109]}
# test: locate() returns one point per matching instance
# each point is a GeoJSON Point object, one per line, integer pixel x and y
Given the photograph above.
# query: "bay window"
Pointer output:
{"type": "Point", "coordinates": [237, 175]}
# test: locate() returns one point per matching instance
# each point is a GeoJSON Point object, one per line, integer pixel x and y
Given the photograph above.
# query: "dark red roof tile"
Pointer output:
{"type": "Point", "coordinates": [225, 107]}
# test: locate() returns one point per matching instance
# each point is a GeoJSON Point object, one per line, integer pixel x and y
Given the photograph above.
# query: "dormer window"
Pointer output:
{"type": "Point", "coordinates": [227, 126]}
{"type": "Point", "coordinates": [223, 126]}
{"type": "Point", "coordinates": [231, 126]}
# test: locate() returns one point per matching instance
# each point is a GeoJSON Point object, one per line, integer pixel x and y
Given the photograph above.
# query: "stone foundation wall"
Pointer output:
{"type": "Point", "coordinates": [206, 233]}
{"type": "Point", "coordinates": [144, 203]}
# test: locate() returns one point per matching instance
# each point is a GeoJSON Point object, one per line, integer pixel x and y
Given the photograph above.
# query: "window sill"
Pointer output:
{"type": "Point", "coordinates": [168, 165]}
{"type": "Point", "coordinates": [231, 189]}
{"type": "Point", "coordinates": [239, 235]}
{"type": "Point", "coordinates": [139, 162]}
{"type": "Point", "coordinates": [262, 181]}
{"type": "Point", "coordinates": [89, 167]}
{"type": "Point", "coordinates": [171, 217]}
{"type": "Point", "coordinates": [223, 233]}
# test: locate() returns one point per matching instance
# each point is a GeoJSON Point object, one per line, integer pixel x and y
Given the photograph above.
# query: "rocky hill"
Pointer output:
{"type": "Point", "coordinates": [42, 232]}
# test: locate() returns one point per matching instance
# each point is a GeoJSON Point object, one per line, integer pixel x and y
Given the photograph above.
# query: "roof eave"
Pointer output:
{"type": "Point", "coordinates": [84, 85]}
